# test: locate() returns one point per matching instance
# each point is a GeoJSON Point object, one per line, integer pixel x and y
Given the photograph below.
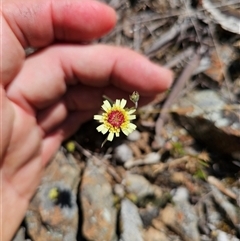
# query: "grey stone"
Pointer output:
{"type": "Point", "coordinates": [140, 186]}
{"type": "Point", "coordinates": [53, 211]}
{"type": "Point", "coordinates": [130, 221]}
{"type": "Point", "coordinates": [99, 213]}
{"type": "Point", "coordinates": [123, 153]}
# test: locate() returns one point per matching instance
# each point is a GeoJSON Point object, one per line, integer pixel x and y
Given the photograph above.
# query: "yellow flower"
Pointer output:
{"type": "Point", "coordinates": [53, 193]}
{"type": "Point", "coordinates": [115, 118]}
{"type": "Point", "coordinates": [70, 146]}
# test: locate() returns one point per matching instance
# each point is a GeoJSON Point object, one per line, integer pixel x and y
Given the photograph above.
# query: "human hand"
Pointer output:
{"type": "Point", "coordinates": [48, 95]}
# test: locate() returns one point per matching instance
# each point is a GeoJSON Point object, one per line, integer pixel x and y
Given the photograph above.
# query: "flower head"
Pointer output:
{"type": "Point", "coordinates": [116, 118]}
{"type": "Point", "coordinates": [134, 97]}
{"type": "Point", "coordinates": [53, 193]}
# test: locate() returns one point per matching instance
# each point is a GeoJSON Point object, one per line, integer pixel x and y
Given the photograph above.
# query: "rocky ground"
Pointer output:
{"type": "Point", "coordinates": [177, 177]}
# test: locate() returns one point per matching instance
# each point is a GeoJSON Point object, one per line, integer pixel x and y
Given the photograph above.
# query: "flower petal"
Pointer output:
{"type": "Point", "coordinates": [132, 126]}
{"type": "Point", "coordinates": [128, 129]}
{"type": "Point", "coordinates": [98, 117]}
{"type": "Point", "coordinates": [106, 105]}
{"type": "Point", "coordinates": [131, 117]}
{"type": "Point", "coordinates": [102, 128]}
{"type": "Point", "coordinates": [110, 136]}
{"type": "Point", "coordinates": [126, 132]}
{"type": "Point", "coordinates": [117, 103]}
{"type": "Point", "coordinates": [131, 111]}
{"type": "Point", "coordinates": [123, 103]}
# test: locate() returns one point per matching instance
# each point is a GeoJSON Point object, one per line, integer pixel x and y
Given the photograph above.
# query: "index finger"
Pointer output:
{"type": "Point", "coordinates": [43, 81]}
{"type": "Point", "coordinates": [39, 23]}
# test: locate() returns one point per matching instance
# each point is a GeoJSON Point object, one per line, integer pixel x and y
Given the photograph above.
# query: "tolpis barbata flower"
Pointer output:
{"type": "Point", "coordinates": [116, 118]}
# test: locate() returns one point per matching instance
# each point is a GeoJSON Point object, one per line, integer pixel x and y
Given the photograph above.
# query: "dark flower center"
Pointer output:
{"type": "Point", "coordinates": [116, 118]}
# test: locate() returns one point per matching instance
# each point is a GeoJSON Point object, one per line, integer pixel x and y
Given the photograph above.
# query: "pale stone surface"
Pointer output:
{"type": "Point", "coordinates": [99, 213]}
{"type": "Point", "coordinates": [56, 218]}
{"type": "Point", "coordinates": [123, 153]}
{"type": "Point", "coordinates": [130, 222]}
{"type": "Point", "coordinates": [153, 234]}
{"type": "Point", "coordinates": [182, 217]}
{"type": "Point", "coordinates": [140, 186]}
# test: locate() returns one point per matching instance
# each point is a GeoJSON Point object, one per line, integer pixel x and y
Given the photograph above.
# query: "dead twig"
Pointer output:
{"type": "Point", "coordinates": [175, 30]}
{"type": "Point", "coordinates": [176, 90]}
{"type": "Point", "coordinates": [150, 158]}
{"type": "Point", "coordinates": [185, 54]}
{"type": "Point", "coordinates": [218, 184]}
{"type": "Point", "coordinates": [99, 162]}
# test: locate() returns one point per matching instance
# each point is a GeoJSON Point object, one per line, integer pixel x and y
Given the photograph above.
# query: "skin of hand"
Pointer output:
{"type": "Point", "coordinates": [46, 96]}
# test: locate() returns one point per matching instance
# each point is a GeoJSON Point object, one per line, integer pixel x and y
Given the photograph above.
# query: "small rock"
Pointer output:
{"type": "Point", "coordinates": [182, 217]}
{"type": "Point", "coordinates": [150, 158]}
{"type": "Point", "coordinates": [215, 120]}
{"type": "Point", "coordinates": [148, 213]}
{"type": "Point", "coordinates": [140, 186]}
{"type": "Point", "coordinates": [99, 214]}
{"type": "Point", "coordinates": [130, 221]}
{"type": "Point", "coordinates": [134, 136]}
{"type": "Point", "coordinates": [153, 234]}
{"type": "Point", "coordinates": [20, 235]}
{"type": "Point", "coordinates": [123, 153]}
{"type": "Point", "coordinates": [181, 195]}
{"type": "Point", "coordinates": [119, 190]}
{"type": "Point", "coordinates": [53, 211]}
{"type": "Point", "coordinates": [221, 236]}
